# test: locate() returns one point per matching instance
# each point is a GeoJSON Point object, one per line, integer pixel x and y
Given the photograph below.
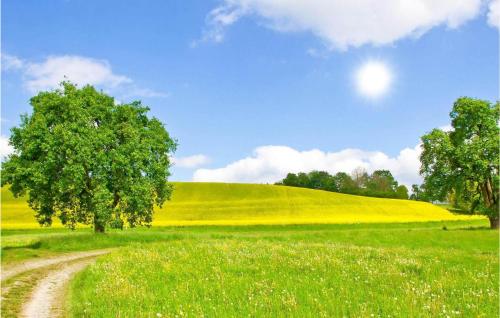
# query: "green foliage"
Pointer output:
{"type": "Point", "coordinates": [382, 180]}
{"type": "Point", "coordinates": [464, 162]}
{"type": "Point", "coordinates": [419, 193]}
{"type": "Point", "coordinates": [85, 159]}
{"type": "Point", "coordinates": [321, 180]}
{"type": "Point", "coordinates": [402, 192]}
{"type": "Point", "coordinates": [344, 183]}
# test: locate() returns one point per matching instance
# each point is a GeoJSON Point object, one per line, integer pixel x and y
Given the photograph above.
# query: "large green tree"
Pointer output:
{"type": "Point", "coordinates": [465, 160]}
{"type": "Point", "coordinates": [84, 158]}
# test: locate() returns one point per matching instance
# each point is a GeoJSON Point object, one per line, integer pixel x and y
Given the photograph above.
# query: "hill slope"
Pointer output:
{"type": "Point", "coordinates": [238, 204]}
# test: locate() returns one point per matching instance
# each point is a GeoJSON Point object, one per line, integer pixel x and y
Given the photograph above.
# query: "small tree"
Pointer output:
{"type": "Point", "coordinates": [344, 183]}
{"type": "Point", "coordinates": [360, 177]}
{"type": "Point", "coordinates": [402, 192]}
{"type": "Point", "coordinates": [320, 180]}
{"type": "Point", "coordinates": [419, 193]}
{"type": "Point", "coordinates": [382, 181]}
{"type": "Point", "coordinates": [415, 192]}
{"type": "Point", "coordinates": [85, 159]}
{"type": "Point", "coordinates": [290, 180]}
{"type": "Point", "coordinates": [465, 160]}
{"type": "Point", "coordinates": [303, 180]}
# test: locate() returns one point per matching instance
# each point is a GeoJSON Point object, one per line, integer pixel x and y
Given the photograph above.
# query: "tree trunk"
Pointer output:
{"type": "Point", "coordinates": [494, 222]}
{"type": "Point", "coordinates": [491, 202]}
{"type": "Point", "coordinates": [98, 226]}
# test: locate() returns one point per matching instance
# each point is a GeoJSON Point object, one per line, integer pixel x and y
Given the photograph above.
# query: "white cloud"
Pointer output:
{"type": "Point", "coordinates": [5, 148]}
{"type": "Point", "coordinates": [191, 161]}
{"type": "Point", "coordinates": [446, 128]}
{"type": "Point", "coordinates": [48, 74]}
{"type": "Point", "coordinates": [10, 62]}
{"type": "Point", "coordinates": [343, 24]}
{"type": "Point", "coordinates": [79, 70]}
{"type": "Point", "coordinates": [218, 20]}
{"type": "Point", "coordinates": [269, 164]}
{"type": "Point", "coordinates": [494, 13]}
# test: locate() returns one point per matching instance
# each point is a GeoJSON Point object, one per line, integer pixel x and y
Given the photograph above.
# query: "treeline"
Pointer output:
{"type": "Point", "coordinates": [380, 183]}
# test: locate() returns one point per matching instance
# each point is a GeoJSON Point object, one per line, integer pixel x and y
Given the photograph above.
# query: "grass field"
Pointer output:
{"type": "Point", "coordinates": [300, 275]}
{"type": "Point", "coordinates": [385, 258]}
{"type": "Point", "coordinates": [351, 270]}
{"type": "Point", "coordinates": [245, 204]}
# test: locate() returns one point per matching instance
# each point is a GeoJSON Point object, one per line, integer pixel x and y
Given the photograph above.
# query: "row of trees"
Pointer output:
{"type": "Point", "coordinates": [381, 183]}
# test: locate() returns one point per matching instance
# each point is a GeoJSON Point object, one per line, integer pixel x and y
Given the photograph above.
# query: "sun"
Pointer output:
{"type": "Point", "coordinates": [373, 79]}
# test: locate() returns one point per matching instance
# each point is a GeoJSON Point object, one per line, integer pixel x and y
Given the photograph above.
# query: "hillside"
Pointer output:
{"type": "Point", "coordinates": [239, 204]}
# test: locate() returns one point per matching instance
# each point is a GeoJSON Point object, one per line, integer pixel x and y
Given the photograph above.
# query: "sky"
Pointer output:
{"type": "Point", "coordinates": [253, 89]}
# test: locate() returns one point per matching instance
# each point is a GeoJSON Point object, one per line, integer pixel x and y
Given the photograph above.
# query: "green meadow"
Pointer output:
{"type": "Point", "coordinates": [263, 251]}
{"type": "Point", "coordinates": [432, 269]}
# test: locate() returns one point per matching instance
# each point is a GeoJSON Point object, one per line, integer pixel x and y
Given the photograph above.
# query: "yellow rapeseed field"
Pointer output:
{"type": "Point", "coordinates": [245, 204]}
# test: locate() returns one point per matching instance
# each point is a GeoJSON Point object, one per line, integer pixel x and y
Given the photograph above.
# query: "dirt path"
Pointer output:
{"type": "Point", "coordinates": [12, 271]}
{"type": "Point", "coordinates": [46, 296]}
{"type": "Point", "coordinates": [47, 299]}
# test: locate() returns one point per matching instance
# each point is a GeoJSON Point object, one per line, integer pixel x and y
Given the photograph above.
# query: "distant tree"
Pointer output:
{"type": "Point", "coordinates": [321, 180]}
{"type": "Point", "coordinates": [415, 192]}
{"type": "Point", "coordinates": [382, 181]}
{"type": "Point", "coordinates": [465, 160]}
{"type": "Point", "coordinates": [360, 177]}
{"type": "Point", "coordinates": [402, 192]}
{"type": "Point", "coordinates": [344, 183]}
{"type": "Point", "coordinates": [303, 180]}
{"type": "Point", "coordinates": [290, 180]}
{"type": "Point", "coordinates": [419, 193]}
{"type": "Point", "coordinates": [84, 158]}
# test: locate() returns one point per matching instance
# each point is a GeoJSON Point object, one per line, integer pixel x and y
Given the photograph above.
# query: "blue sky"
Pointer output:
{"type": "Point", "coordinates": [253, 89]}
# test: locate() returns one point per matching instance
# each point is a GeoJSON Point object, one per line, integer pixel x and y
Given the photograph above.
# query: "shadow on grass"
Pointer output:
{"type": "Point", "coordinates": [33, 245]}
{"type": "Point", "coordinates": [471, 228]}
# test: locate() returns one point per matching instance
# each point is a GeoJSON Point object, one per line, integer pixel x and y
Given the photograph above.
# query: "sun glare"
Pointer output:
{"type": "Point", "coordinates": [373, 79]}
